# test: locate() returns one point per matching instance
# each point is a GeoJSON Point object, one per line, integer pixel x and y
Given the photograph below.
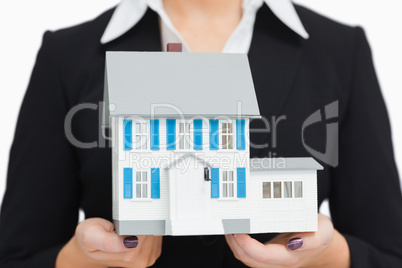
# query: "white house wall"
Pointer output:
{"type": "Point", "coordinates": [283, 214]}
{"type": "Point", "coordinates": [232, 208]}
{"type": "Point", "coordinates": [116, 130]}
{"type": "Point", "coordinates": [159, 208]}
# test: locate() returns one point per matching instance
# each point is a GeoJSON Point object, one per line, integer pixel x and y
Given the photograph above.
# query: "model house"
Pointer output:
{"type": "Point", "coordinates": [181, 160]}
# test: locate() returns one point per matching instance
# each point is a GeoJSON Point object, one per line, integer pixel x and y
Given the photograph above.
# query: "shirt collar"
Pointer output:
{"type": "Point", "coordinates": [129, 12]}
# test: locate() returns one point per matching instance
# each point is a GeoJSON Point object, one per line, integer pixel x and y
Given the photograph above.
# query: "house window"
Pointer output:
{"type": "Point", "coordinates": [277, 189]}
{"type": "Point", "coordinates": [184, 136]}
{"type": "Point", "coordinates": [228, 184]}
{"type": "Point", "coordinates": [266, 190]}
{"type": "Point", "coordinates": [141, 136]}
{"type": "Point", "coordinates": [287, 189]}
{"type": "Point", "coordinates": [227, 136]}
{"type": "Point", "coordinates": [141, 184]}
{"type": "Point", "coordinates": [290, 189]}
{"type": "Point", "coordinates": [298, 189]}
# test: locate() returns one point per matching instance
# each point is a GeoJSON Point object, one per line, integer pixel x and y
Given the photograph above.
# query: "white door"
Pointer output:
{"type": "Point", "coordinates": [192, 191]}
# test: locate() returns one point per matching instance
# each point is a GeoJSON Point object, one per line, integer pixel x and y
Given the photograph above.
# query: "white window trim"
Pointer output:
{"type": "Point", "coordinates": [294, 192]}
{"type": "Point", "coordinates": [147, 135]}
{"type": "Point", "coordinates": [283, 189]}
{"type": "Point", "coordinates": [190, 135]}
{"type": "Point", "coordinates": [135, 183]}
{"type": "Point", "coordinates": [221, 122]}
{"type": "Point", "coordinates": [270, 190]}
{"type": "Point", "coordinates": [221, 197]}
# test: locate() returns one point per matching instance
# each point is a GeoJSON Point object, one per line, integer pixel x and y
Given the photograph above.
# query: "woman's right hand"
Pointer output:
{"type": "Point", "coordinates": [95, 244]}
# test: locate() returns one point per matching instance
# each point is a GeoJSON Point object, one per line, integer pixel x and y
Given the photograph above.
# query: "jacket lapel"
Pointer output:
{"type": "Point", "coordinates": [275, 57]}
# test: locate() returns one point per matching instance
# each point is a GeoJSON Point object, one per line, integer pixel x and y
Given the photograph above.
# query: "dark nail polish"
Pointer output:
{"type": "Point", "coordinates": [294, 243]}
{"type": "Point", "coordinates": [130, 242]}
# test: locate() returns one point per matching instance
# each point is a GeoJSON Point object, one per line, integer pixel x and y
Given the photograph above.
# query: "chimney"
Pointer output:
{"type": "Point", "coordinates": [174, 47]}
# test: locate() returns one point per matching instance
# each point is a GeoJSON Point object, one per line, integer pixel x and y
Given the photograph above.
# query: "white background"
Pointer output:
{"type": "Point", "coordinates": [22, 24]}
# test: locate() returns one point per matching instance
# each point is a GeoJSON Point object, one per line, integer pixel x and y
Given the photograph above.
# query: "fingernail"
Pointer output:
{"type": "Point", "coordinates": [294, 243]}
{"type": "Point", "coordinates": [130, 242]}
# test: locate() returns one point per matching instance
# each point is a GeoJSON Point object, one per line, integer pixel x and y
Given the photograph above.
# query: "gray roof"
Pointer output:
{"type": "Point", "coordinates": [195, 83]}
{"type": "Point", "coordinates": [291, 163]}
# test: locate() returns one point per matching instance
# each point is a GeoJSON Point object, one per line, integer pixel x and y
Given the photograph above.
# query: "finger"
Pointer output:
{"type": "Point", "coordinates": [270, 253]}
{"type": "Point", "coordinates": [142, 256]}
{"type": "Point", "coordinates": [100, 236]}
{"type": "Point", "coordinates": [147, 244]}
{"type": "Point", "coordinates": [313, 240]}
{"type": "Point", "coordinates": [156, 250]}
{"type": "Point", "coordinates": [238, 252]}
{"type": "Point", "coordinates": [146, 254]}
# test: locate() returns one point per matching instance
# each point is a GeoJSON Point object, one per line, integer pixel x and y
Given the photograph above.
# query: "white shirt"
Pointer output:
{"type": "Point", "coordinates": [129, 12]}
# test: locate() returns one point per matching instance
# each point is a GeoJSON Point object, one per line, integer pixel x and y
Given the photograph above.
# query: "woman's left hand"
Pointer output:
{"type": "Point", "coordinates": [324, 248]}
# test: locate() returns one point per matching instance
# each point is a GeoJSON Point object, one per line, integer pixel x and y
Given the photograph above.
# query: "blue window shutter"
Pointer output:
{"type": "Point", "coordinates": [240, 136]}
{"type": "Point", "coordinates": [171, 134]}
{"type": "Point", "coordinates": [197, 134]}
{"type": "Point", "coordinates": [128, 133]}
{"type": "Point", "coordinates": [155, 183]}
{"type": "Point", "coordinates": [213, 134]}
{"type": "Point", "coordinates": [154, 134]}
{"type": "Point", "coordinates": [214, 182]}
{"type": "Point", "coordinates": [241, 182]}
{"type": "Point", "coordinates": [128, 183]}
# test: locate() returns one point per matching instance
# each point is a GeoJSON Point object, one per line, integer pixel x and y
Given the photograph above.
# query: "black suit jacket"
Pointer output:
{"type": "Point", "coordinates": [49, 179]}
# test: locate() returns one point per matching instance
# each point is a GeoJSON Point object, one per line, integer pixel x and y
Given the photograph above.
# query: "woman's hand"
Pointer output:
{"type": "Point", "coordinates": [95, 244]}
{"type": "Point", "coordinates": [324, 248]}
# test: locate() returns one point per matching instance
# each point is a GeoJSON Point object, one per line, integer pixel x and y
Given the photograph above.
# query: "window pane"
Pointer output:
{"type": "Point", "coordinates": [230, 128]}
{"type": "Point", "coordinates": [137, 128]}
{"type": "Point", "coordinates": [138, 190]}
{"type": "Point", "coordinates": [137, 142]}
{"type": "Point", "coordinates": [187, 145]}
{"type": "Point", "coordinates": [181, 128]}
{"type": "Point", "coordinates": [224, 142]}
{"type": "Point", "coordinates": [187, 127]}
{"type": "Point", "coordinates": [230, 142]}
{"type": "Point", "coordinates": [231, 175]}
{"type": "Point", "coordinates": [187, 142]}
{"type": "Point", "coordinates": [298, 189]}
{"type": "Point", "coordinates": [144, 190]}
{"type": "Point", "coordinates": [231, 190]}
{"type": "Point", "coordinates": [181, 144]}
{"type": "Point", "coordinates": [287, 190]}
{"type": "Point", "coordinates": [225, 190]}
{"type": "Point", "coordinates": [277, 190]}
{"type": "Point", "coordinates": [144, 128]}
{"type": "Point", "coordinates": [224, 175]}
{"type": "Point", "coordinates": [223, 127]}
{"type": "Point", "coordinates": [266, 190]}
{"type": "Point", "coordinates": [144, 142]}
{"type": "Point", "coordinates": [144, 176]}
{"type": "Point", "coordinates": [138, 176]}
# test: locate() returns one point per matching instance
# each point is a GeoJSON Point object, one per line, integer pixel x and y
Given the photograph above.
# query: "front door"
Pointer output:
{"type": "Point", "coordinates": [192, 192]}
